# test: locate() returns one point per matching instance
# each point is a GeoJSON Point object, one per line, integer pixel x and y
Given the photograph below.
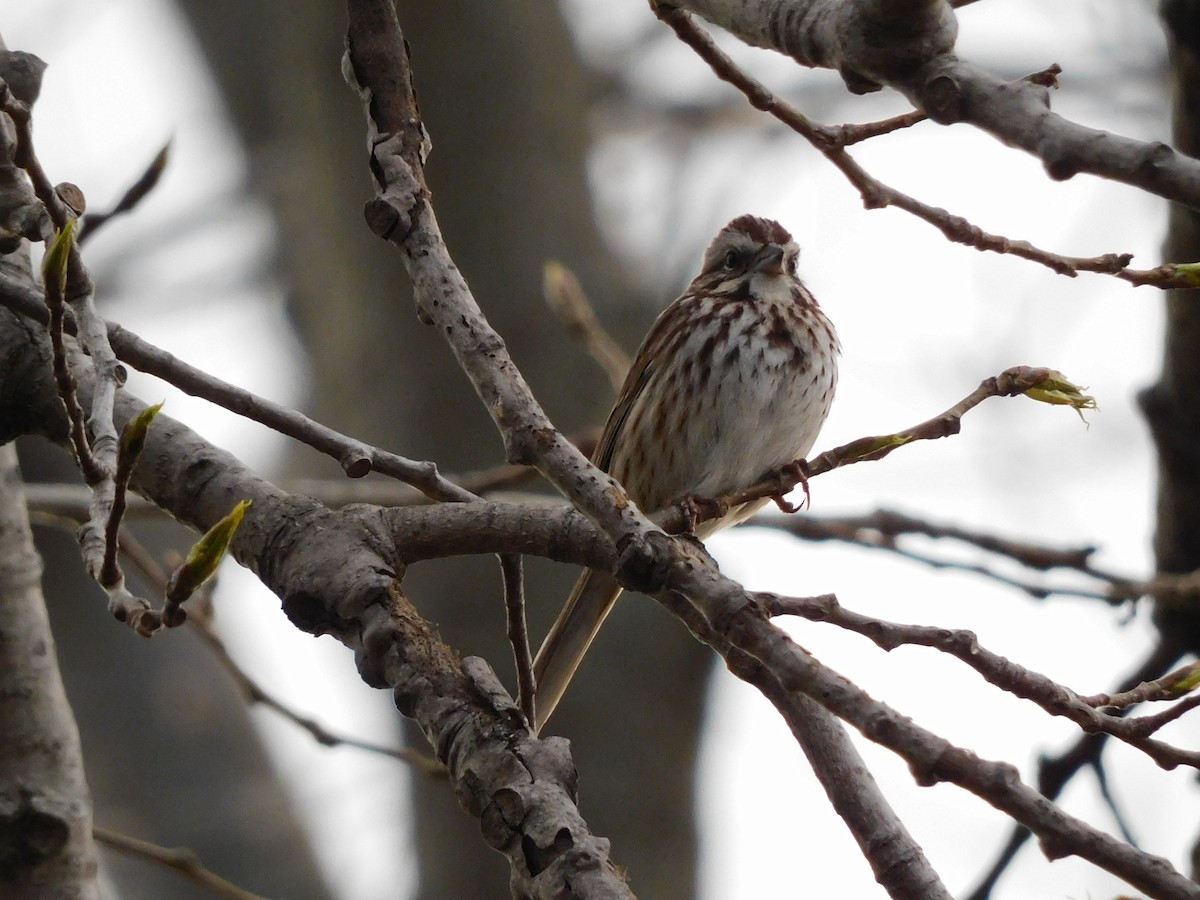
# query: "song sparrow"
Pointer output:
{"type": "Point", "coordinates": [733, 380]}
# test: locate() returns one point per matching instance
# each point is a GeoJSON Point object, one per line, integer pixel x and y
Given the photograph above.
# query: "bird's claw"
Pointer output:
{"type": "Point", "coordinates": [785, 505]}
{"type": "Point", "coordinates": [697, 509]}
{"type": "Point", "coordinates": [796, 471]}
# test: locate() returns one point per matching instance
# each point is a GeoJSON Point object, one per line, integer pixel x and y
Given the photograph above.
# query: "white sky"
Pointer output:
{"type": "Point", "coordinates": [921, 323]}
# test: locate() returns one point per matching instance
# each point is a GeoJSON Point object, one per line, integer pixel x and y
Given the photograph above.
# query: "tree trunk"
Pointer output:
{"type": "Point", "coordinates": [1173, 405]}
{"type": "Point", "coordinates": [46, 847]}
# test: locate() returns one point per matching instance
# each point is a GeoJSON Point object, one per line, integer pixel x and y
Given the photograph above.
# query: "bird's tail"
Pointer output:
{"type": "Point", "coordinates": [590, 602]}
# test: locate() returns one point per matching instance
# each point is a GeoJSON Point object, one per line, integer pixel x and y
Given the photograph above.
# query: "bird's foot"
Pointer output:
{"type": "Point", "coordinates": [791, 475]}
{"type": "Point", "coordinates": [696, 509]}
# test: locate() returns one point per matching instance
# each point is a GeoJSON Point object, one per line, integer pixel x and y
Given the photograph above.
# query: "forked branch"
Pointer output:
{"type": "Point", "coordinates": [1136, 164]}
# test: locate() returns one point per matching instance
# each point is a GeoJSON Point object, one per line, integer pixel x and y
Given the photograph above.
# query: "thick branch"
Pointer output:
{"type": "Point", "coordinates": [338, 574]}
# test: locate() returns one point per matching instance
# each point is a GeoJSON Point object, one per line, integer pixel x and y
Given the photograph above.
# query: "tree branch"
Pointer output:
{"type": "Point", "coordinates": [355, 457]}
{"type": "Point", "coordinates": [1007, 675]}
{"type": "Point", "coordinates": [181, 859]}
{"type": "Point", "coordinates": [338, 573]}
{"type": "Point", "coordinates": [748, 641]}
{"type": "Point", "coordinates": [909, 46]}
{"type": "Point", "coordinates": [649, 560]}
{"type": "Point", "coordinates": [46, 846]}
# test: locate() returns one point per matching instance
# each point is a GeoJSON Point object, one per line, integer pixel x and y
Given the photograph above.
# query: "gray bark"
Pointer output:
{"type": "Point", "coordinates": [46, 848]}
{"type": "Point", "coordinates": [507, 114]}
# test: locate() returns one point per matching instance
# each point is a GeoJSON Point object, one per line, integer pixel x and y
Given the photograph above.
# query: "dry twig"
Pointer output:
{"type": "Point", "coordinates": [181, 859]}
{"type": "Point", "coordinates": [518, 632]}
{"type": "Point", "coordinates": [565, 295]}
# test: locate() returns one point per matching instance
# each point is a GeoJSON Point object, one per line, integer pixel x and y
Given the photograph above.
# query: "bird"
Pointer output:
{"type": "Point", "coordinates": [733, 380]}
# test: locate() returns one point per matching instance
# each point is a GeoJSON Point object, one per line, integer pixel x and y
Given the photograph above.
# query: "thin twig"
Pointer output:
{"type": "Point", "coordinates": [1171, 686]}
{"type": "Point", "coordinates": [65, 382]}
{"type": "Point", "coordinates": [565, 296]}
{"type": "Point", "coordinates": [110, 568]}
{"type": "Point", "coordinates": [355, 457]}
{"type": "Point", "coordinates": [1011, 382]}
{"type": "Point", "coordinates": [1041, 384]}
{"type": "Point", "coordinates": [133, 439]}
{"type": "Point", "coordinates": [850, 134]}
{"type": "Point", "coordinates": [1147, 725]}
{"type": "Point", "coordinates": [500, 481]}
{"type": "Point", "coordinates": [518, 632]}
{"type": "Point", "coordinates": [181, 859]}
{"type": "Point", "coordinates": [890, 524]}
{"type": "Point", "coordinates": [96, 443]}
{"type": "Point", "coordinates": [879, 530]}
{"type": "Point", "coordinates": [256, 694]}
{"type": "Point", "coordinates": [847, 135]}
{"type": "Point", "coordinates": [137, 192]}
{"type": "Point", "coordinates": [1003, 673]}
{"type": "Point", "coordinates": [1101, 773]}
{"type": "Point", "coordinates": [1032, 589]}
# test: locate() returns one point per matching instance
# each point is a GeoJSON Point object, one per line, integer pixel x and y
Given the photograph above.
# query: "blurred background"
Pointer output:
{"type": "Point", "coordinates": [587, 133]}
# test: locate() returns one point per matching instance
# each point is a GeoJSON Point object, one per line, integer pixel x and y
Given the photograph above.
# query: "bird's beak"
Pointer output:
{"type": "Point", "coordinates": [769, 260]}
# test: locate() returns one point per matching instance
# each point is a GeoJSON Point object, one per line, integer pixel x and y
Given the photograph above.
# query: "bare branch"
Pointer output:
{"type": "Point", "coordinates": [1171, 686]}
{"type": "Point", "coordinates": [882, 529]}
{"type": "Point", "coordinates": [564, 294]}
{"type": "Point", "coordinates": [1054, 773]}
{"type": "Point", "coordinates": [896, 858]}
{"type": "Point", "coordinates": [136, 193]}
{"type": "Point", "coordinates": [80, 446]}
{"type": "Point", "coordinates": [1041, 384]}
{"type": "Point", "coordinates": [1003, 673]}
{"type": "Point", "coordinates": [355, 457]}
{"type": "Point", "coordinates": [518, 632]}
{"type": "Point", "coordinates": [67, 280]}
{"type": "Point", "coordinates": [848, 135]}
{"type": "Point", "coordinates": [181, 859]}
{"type": "Point", "coordinates": [910, 47]}
{"type": "Point", "coordinates": [831, 142]}
{"type": "Point", "coordinates": [747, 641]}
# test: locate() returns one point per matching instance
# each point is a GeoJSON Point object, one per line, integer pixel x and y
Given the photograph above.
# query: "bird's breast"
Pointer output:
{"type": "Point", "coordinates": [745, 390]}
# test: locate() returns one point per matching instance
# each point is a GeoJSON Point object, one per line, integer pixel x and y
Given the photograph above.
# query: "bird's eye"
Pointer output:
{"type": "Point", "coordinates": [791, 265]}
{"type": "Point", "coordinates": [732, 258]}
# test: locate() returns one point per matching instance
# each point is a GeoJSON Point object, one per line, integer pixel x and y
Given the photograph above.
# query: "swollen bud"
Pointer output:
{"type": "Point", "coordinates": [54, 263]}
{"type": "Point", "coordinates": [1056, 389]}
{"type": "Point", "coordinates": [205, 556]}
{"type": "Point", "coordinates": [133, 436]}
{"type": "Point", "coordinates": [1181, 681]}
